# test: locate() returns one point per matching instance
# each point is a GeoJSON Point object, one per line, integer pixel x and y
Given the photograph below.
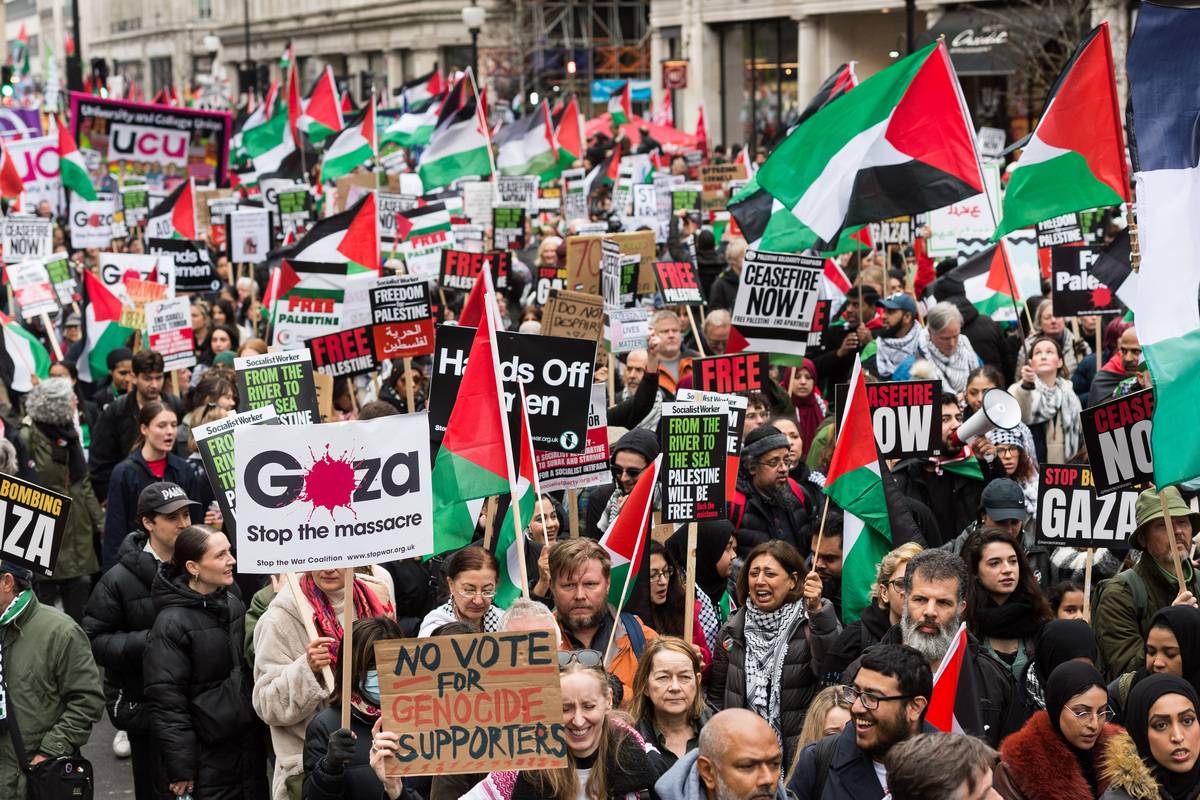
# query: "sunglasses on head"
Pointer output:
{"type": "Point", "coordinates": [585, 658]}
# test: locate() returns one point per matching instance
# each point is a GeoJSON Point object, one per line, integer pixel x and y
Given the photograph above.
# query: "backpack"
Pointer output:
{"type": "Point", "coordinates": [633, 629]}
{"type": "Point", "coordinates": [1137, 589]}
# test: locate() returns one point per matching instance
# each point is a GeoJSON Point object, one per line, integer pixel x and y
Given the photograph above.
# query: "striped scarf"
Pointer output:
{"type": "Point", "coordinates": [952, 369]}
{"type": "Point", "coordinates": [18, 604]}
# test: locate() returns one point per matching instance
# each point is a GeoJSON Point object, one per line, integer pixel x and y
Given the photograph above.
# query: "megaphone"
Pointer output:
{"type": "Point", "coordinates": [998, 410]}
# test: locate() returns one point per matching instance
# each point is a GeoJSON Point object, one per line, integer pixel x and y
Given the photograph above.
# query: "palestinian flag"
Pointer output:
{"type": "Point", "coordinates": [620, 105]}
{"type": "Point", "coordinates": [322, 116]}
{"type": "Point", "coordinates": [351, 237]}
{"type": "Point", "coordinates": [295, 106]}
{"type": "Point", "coordinates": [900, 143]}
{"type": "Point", "coordinates": [291, 168]}
{"type": "Point", "coordinates": [350, 149]}
{"type": "Point", "coordinates": [625, 540]}
{"type": "Point", "coordinates": [459, 147]}
{"type": "Point", "coordinates": [954, 706]}
{"type": "Point", "coordinates": [855, 484]}
{"type": "Point", "coordinates": [1075, 159]}
{"type": "Point", "coordinates": [420, 93]}
{"type": "Point", "coordinates": [513, 582]}
{"type": "Point", "coordinates": [22, 358]}
{"type": "Point", "coordinates": [175, 216]}
{"type": "Point", "coordinates": [268, 142]}
{"type": "Point", "coordinates": [1113, 270]}
{"type": "Point", "coordinates": [410, 129]}
{"type": "Point", "coordinates": [74, 172]}
{"type": "Point", "coordinates": [766, 225]}
{"type": "Point", "coordinates": [101, 332]}
{"type": "Point", "coordinates": [527, 147]}
{"type": "Point", "coordinates": [987, 280]}
{"type": "Point", "coordinates": [841, 81]}
{"type": "Point", "coordinates": [568, 132]}
{"type": "Point", "coordinates": [430, 220]}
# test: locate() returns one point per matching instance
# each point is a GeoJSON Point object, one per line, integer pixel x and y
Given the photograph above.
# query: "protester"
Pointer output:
{"type": "Point", "coordinates": [1008, 446]}
{"type": "Point", "coordinates": [941, 344]}
{"type": "Point", "coordinates": [1172, 648]}
{"type": "Point", "coordinates": [1047, 325]}
{"type": "Point", "coordinates": [668, 705]}
{"type": "Point", "coordinates": [767, 505]}
{"type": "Point", "coordinates": [1048, 403]}
{"type": "Point", "coordinates": [674, 362]}
{"type": "Point", "coordinates": [637, 370]}
{"type": "Point", "coordinates": [724, 290]}
{"type": "Point", "coordinates": [117, 380]}
{"type": "Point", "coordinates": [716, 552]}
{"type": "Point", "coordinates": [633, 453]}
{"type": "Point", "coordinates": [827, 716]}
{"type": "Point", "coordinates": [471, 575]}
{"type": "Point", "coordinates": [715, 330]}
{"type": "Point", "coordinates": [545, 524]}
{"type": "Point", "coordinates": [1164, 759]}
{"type": "Point", "coordinates": [667, 601]}
{"type": "Point", "coordinates": [1066, 599]}
{"type": "Point", "coordinates": [1002, 505]}
{"type": "Point", "coordinates": [811, 408]}
{"type": "Point", "coordinates": [897, 339]}
{"type": "Point", "coordinates": [1123, 364]}
{"type": "Point", "coordinates": [964, 768]}
{"type": "Point", "coordinates": [1059, 641]}
{"type": "Point", "coordinates": [737, 758]}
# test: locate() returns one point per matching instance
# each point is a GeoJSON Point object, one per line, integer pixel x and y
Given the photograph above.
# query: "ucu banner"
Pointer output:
{"type": "Point", "coordinates": [37, 162]}
{"type": "Point", "coordinates": [148, 145]}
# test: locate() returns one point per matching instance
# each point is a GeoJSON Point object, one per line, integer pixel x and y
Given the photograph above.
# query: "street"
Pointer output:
{"type": "Point", "coordinates": [114, 776]}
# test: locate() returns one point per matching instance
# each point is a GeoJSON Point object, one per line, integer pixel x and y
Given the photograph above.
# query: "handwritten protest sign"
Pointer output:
{"type": "Point", "coordinates": [140, 292]}
{"type": "Point", "coordinates": [574, 315]}
{"type": "Point", "coordinates": [558, 471]}
{"type": "Point", "coordinates": [33, 522]}
{"type": "Point", "coordinates": [283, 380]}
{"type": "Point", "coordinates": [170, 334]}
{"type": "Point", "coordinates": [733, 372]}
{"type": "Point", "coordinates": [482, 702]}
{"type": "Point", "coordinates": [336, 495]}
{"type": "Point", "coordinates": [693, 471]}
{"type": "Point", "coordinates": [32, 288]}
{"type": "Point", "coordinates": [1117, 435]}
{"type": "Point", "coordinates": [214, 441]}
{"type": "Point", "coordinates": [27, 238]}
{"type": "Point", "coordinates": [402, 318]}
{"type": "Point", "coordinates": [1070, 514]}
{"type": "Point", "coordinates": [776, 300]}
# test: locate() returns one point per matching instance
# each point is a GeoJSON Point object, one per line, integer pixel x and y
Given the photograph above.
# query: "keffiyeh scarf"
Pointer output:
{"type": "Point", "coordinates": [891, 351]}
{"type": "Point", "coordinates": [491, 617]}
{"type": "Point", "coordinates": [952, 369]}
{"type": "Point", "coordinates": [768, 634]}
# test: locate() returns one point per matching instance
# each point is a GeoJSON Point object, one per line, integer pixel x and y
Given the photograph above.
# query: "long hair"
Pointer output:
{"type": "Point", "coordinates": [1027, 585]}
{"type": "Point", "coordinates": [640, 706]}
{"type": "Point", "coordinates": [667, 619]}
{"type": "Point", "coordinates": [367, 632]}
{"type": "Point", "coordinates": [814, 720]}
{"type": "Point", "coordinates": [146, 415]}
{"type": "Point", "coordinates": [787, 556]}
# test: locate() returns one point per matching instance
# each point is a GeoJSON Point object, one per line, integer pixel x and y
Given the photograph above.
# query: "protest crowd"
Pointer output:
{"type": "Point", "coordinates": [338, 454]}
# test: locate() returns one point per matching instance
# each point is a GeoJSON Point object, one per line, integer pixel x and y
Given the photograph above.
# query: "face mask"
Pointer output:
{"type": "Point", "coordinates": [370, 687]}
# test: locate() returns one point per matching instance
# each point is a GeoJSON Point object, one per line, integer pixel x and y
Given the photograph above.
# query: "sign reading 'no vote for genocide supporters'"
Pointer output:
{"type": "Point", "coordinates": [693, 471]}
{"type": "Point", "coordinates": [1070, 514]}
{"type": "Point", "coordinates": [776, 300]}
{"type": "Point", "coordinates": [283, 380]}
{"type": "Point", "coordinates": [337, 495]}
{"type": "Point", "coordinates": [734, 372]}
{"type": "Point", "coordinates": [33, 522]}
{"type": "Point", "coordinates": [1117, 435]}
{"type": "Point", "coordinates": [484, 702]}
{"type": "Point", "coordinates": [214, 440]}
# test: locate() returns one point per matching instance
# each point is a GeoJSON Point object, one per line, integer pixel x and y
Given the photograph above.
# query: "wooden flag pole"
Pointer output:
{"type": "Point", "coordinates": [689, 594]}
{"type": "Point", "coordinates": [573, 511]}
{"type": "Point", "coordinates": [1162, 500]}
{"type": "Point", "coordinates": [58, 354]}
{"type": "Point", "coordinates": [1099, 344]}
{"type": "Point", "coordinates": [696, 332]}
{"type": "Point", "coordinates": [612, 378]}
{"type": "Point", "coordinates": [1087, 585]}
{"type": "Point", "coordinates": [346, 660]}
{"type": "Point", "coordinates": [821, 530]}
{"type": "Point", "coordinates": [489, 519]}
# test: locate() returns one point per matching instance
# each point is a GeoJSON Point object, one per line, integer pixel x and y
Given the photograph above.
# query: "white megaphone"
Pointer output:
{"type": "Point", "coordinates": [998, 410]}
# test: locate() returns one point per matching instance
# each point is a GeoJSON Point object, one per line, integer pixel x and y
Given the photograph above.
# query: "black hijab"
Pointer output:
{"type": "Point", "coordinates": [1184, 622]}
{"type": "Point", "coordinates": [1060, 641]}
{"type": "Point", "coordinates": [1066, 681]}
{"type": "Point", "coordinates": [711, 539]}
{"type": "Point", "coordinates": [1176, 785]}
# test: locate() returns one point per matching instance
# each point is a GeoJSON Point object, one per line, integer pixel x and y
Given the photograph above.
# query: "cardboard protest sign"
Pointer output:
{"type": "Point", "coordinates": [62, 275]}
{"type": "Point", "coordinates": [557, 470]}
{"type": "Point", "coordinates": [32, 288]}
{"type": "Point", "coordinates": [92, 221]}
{"type": "Point", "coordinates": [249, 235]}
{"type": "Point", "coordinates": [169, 332]}
{"type": "Point", "coordinates": [481, 702]}
{"type": "Point", "coordinates": [1060, 230]}
{"type": "Point", "coordinates": [508, 227]}
{"type": "Point", "coordinates": [402, 318]}
{"type": "Point", "coordinates": [348, 352]}
{"type": "Point", "coordinates": [1075, 289]}
{"type": "Point", "coordinates": [1070, 514]}
{"type": "Point", "coordinates": [644, 245]}
{"type": "Point", "coordinates": [627, 329]}
{"type": "Point", "coordinates": [574, 315]}
{"type": "Point", "coordinates": [337, 495]}
{"type": "Point", "coordinates": [776, 300]}
{"type": "Point", "coordinates": [27, 238]}
{"type": "Point", "coordinates": [194, 270]}
{"type": "Point", "coordinates": [214, 441]}
{"type": "Point", "coordinates": [734, 406]}
{"type": "Point", "coordinates": [583, 263]}
{"type": "Point", "coordinates": [283, 380]}
{"type": "Point", "coordinates": [692, 477]}
{"type": "Point", "coordinates": [733, 372]}
{"type": "Point", "coordinates": [1117, 435]}
{"type": "Point", "coordinates": [460, 268]}
{"type": "Point", "coordinates": [556, 374]}
{"type": "Point", "coordinates": [33, 522]}
{"type": "Point", "coordinates": [678, 283]}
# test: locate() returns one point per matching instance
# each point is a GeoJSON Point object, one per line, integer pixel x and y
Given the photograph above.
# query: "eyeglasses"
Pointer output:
{"type": "Point", "coordinates": [663, 574]}
{"type": "Point", "coordinates": [632, 472]}
{"type": "Point", "coordinates": [1103, 715]}
{"type": "Point", "coordinates": [471, 594]}
{"type": "Point", "coordinates": [776, 463]}
{"type": "Point", "coordinates": [584, 658]}
{"type": "Point", "coordinates": [848, 694]}
{"type": "Point", "coordinates": [896, 585]}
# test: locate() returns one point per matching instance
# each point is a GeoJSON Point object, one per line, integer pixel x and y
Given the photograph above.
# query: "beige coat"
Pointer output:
{"type": "Point", "coordinates": [287, 694]}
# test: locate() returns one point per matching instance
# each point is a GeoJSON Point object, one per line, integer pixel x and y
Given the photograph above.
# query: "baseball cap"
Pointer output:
{"type": "Point", "coordinates": [73, 321]}
{"type": "Point", "coordinates": [162, 497]}
{"type": "Point", "coordinates": [1003, 500]}
{"type": "Point", "coordinates": [898, 301]}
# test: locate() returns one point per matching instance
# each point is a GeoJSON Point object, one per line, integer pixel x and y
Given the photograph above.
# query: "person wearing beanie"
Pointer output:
{"type": "Point", "coordinates": [768, 504]}
{"type": "Point", "coordinates": [632, 454]}
{"type": "Point", "coordinates": [1128, 602]}
{"type": "Point", "coordinates": [50, 435]}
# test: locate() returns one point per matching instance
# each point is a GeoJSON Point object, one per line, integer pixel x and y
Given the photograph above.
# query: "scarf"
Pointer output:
{"type": "Point", "coordinates": [328, 620]}
{"type": "Point", "coordinates": [952, 369]}
{"type": "Point", "coordinates": [1048, 403]}
{"type": "Point", "coordinates": [650, 421]}
{"type": "Point", "coordinates": [810, 410]}
{"type": "Point", "coordinates": [891, 351]}
{"type": "Point", "coordinates": [1013, 620]}
{"type": "Point", "coordinates": [491, 617]}
{"type": "Point", "coordinates": [65, 448]}
{"type": "Point", "coordinates": [768, 634]}
{"type": "Point", "coordinates": [1175, 785]}
{"type": "Point", "coordinates": [18, 605]}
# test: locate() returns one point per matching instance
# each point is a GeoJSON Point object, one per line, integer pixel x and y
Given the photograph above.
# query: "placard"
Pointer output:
{"type": "Point", "coordinates": [616, 293]}
{"type": "Point", "coordinates": [905, 416]}
{"type": "Point", "coordinates": [92, 221]}
{"type": "Point", "coordinates": [558, 471]}
{"type": "Point", "coordinates": [474, 703]}
{"type": "Point", "coordinates": [477, 201]}
{"type": "Point", "coordinates": [194, 271]}
{"type": "Point", "coordinates": [37, 163]}
{"type": "Point", "coordinates": [33, 522]}
{"type": "Point", "coordinates": [140, 292]}
{"type": "Point", "coordinates": [283, 380]}
{"type": "Point", "coordinates": [169, 332]}
{"type": "Point", "coordinates": [249, 235]}
{"type": "Point", "coordinates": [732, 372]}
{"type": "Point", "coordinates": [316, 306]}
{"type": "Point", "coordinates": [27, 238]}
{"type": "Point", "coordinates": [62, 275]}
{"type": "Point", "coordinates": [387, 206]}
{"type": "Point", "coordinates": [518, 190]}
{"type": "Point", "coordinates": [135, 201]}
{"type": "Point", "coordinates": [1117, 435]}
{"type": "Point", "coordinates": [692, 478]}
{"type": "Point", "coordinates": [627, 329]}
{"type": "Point", "coordinates": [575, 202]}
{"type": "Point", "coordinates": [1075, 289]}
{"type": "Point", "coordinates": [678, 284]}
{"type": "Point", "coordinates": [897, 230]}
{"type": "Point", "coordinates": [402, 318]}
{"type": "Point", "coordinates": [430, 235]}
{"type": "Point", "coordinates": [1060, 230]}
{"type": "Point", "coordinates": [548, 278]}
{"type": "Point", "coordinates": [1070, 514]}
{"type": "Point", "coordinates": [686, 197]}
{"type": "Point", "coordinates": [214, 442]}
{"type": "Point", "coordinates": [460, 268]}
{"type": "Point", "coordinates": [32, 289]}
{"type": "Point", "coordinates": [294, 212]}
{"type": "Point", "coordinates": [645, 200]}
{"type": "Point", "coordinates": [574, 315]}
{"type": "Point", "coordinates": [776, 300]}
{"type": "Point", "coordinates": [583, 263]}
{"type": "Point", "coordinates": [332, 496]}
{"type": "Point", "coordinates": [343, 353]}
{"type": "Point", "coordinates": [735, 406]}
{"type": "Point", "coordinates": [116, 268]}
{"type": "Point", "coordinates": [508, 227]}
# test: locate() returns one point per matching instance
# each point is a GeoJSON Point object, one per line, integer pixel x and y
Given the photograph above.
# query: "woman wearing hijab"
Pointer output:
{"type": "Point", "coordinates": [801, 385]}
{"type": "Point", "coordinates": [1060, 641]}
{"type": "Point", "coordinates": [716, 550]}
{"type": "Point", "coordinates": [1172, 648]}
{"type": "Point", "coordinates": [1057, 753]}
{"type": "Point", "coordinates": [1158, 758]}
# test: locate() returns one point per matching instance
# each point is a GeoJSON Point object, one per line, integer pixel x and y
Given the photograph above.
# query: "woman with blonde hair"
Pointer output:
{"type": "Point", "coordinates": [827, 715]}
{"type": "Point", "coordinates": [667, 705]}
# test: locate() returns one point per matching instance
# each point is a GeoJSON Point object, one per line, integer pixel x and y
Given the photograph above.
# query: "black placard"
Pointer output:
{"type": "Point", "coordinates": [1075, 290]}
{"type": "Point", "coordinates": [904, 414]}
{"type": "Point", "coordinates": [692, 476]}
{"type": "Point", "coordinates": [1070, 514]}
{"type": "Point", "coordinates": [348, 352]}
{"type": "Point", "coordinates": [194, 270]}
{"type": "Point", "coordinates": [1063, 229]}
{"type": "Point", "coordinates": [33, 521]}
{"type": "Point", "coordinates": [460, 268]}
{"type": "Point", "coordinates": [1117, 434]}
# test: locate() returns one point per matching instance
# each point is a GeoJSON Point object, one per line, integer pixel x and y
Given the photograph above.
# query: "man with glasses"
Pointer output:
{"type": "Point", "coordinates": [888, 698]}
{"type": "Point", "coordinates": [632, 453]}
{"type": "Point", "coordinates": [1121, 366]}
{"type": "Point", "coordinates": [767, 503]}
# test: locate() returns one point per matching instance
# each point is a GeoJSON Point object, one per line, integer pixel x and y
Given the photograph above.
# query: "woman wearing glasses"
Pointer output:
{"type": "Point", "coordinates": [667, 599]}
{"type": "Point", "coordinates": [769, 655]}
{"type": "Point", "coordinates": [471, 575]}
{"type": "Point", "coordinates": [668, 706]}
{"type": "Point", "coordinates": [1159, 755]}
{"type": "Point", "coordinates": [1059, 753]}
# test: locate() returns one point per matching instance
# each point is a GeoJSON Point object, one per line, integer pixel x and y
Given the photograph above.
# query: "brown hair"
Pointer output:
{"type": "Point", "coordinates": [367, 632]}
{"type": "Point", "coordinates": [640, 707]}
{"type": "Point", "coordinates": [568, 556]}
{"type": "Point", "coordinates": [1027, 585]}
{"type": "Point", "coordinates": [470, 558]}
{"type": "Point", "coordinates": [787, 556]}
{"type": "Point", "coordinates": [146, 415]}
{"type": "Point", "coordinates": [190, 545]}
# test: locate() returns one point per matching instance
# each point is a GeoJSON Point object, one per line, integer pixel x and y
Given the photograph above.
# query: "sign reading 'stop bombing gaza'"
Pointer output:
{"type": "Point", "coordinates": [1070, 514]}
{"type": "Point", "coordinates": [776, 300]}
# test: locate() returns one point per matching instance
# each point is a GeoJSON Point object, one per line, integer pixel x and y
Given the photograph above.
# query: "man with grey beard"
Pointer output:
{"type": "Point", "coordinates": [738, 758]}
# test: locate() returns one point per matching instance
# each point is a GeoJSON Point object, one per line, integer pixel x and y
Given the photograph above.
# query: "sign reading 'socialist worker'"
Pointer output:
{"type": "Point", "coordinates": [1070, 514]}
{"type": "Point", "coordinates": [1117, 434]}
{"type": "Point", "coordinates": [214, 440]}
{"type": "Point", "coordinates": [33, 522]}
{"type": "Point", "coordinates": [283, 380]}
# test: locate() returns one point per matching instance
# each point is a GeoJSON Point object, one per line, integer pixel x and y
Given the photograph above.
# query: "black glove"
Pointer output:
{"type": "Point", "coordinates": [341, 750]}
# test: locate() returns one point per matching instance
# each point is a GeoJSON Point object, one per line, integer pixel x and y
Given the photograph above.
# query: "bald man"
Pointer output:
{"type": "Point", "coordinates": [738, 759]}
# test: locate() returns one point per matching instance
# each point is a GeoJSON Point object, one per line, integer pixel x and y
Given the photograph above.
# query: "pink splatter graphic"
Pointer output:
{"type": "Point", "coordinates": [329, 483]}
{"type": "Point", "coordinates": [1101, 297]}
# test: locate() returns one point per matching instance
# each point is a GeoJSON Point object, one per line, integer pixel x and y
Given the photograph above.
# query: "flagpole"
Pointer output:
{"type": "Point", "coordinates": [487, 133]}
{"type": "Point", "coordinates": [642, 529]}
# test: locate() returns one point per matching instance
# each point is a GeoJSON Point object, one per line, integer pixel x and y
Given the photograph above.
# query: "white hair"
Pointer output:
{"type": "Point", "coordinates": [941, 315]}
{"type": "Point", "coordinates": [524, 608]}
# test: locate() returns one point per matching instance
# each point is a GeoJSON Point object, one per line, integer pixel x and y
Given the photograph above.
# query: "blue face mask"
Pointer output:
{"type": "Point", "coordinates": [370, 687]}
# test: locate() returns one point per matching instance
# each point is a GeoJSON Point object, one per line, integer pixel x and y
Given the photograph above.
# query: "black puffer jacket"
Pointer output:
{"type": "Point", "coordinates": [757, 519]}
{"type": "Point", "coordinates": [865, 631]}
{"type": "Point", "coordinates": [356, 781]}
{"type": "Point", "coordinates": [196, 682]}
{"type": "Point", "coordinates": [802, 667]}
{"type": "Point", "coordinates": [118, 618]}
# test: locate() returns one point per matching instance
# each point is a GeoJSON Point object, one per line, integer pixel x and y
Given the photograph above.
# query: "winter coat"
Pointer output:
{"type": "Point", "coordinates": [128, 479]}
{"type": "Point", "coordinates": [985, 336]}
{"type": "Point", "coordinates": [199, 692]}
{"type": "Point", "coordinates": [631, 411]}
{"type": "Point", "coordinates": [53, 688]}
{"type": "Point", "coordinates": [709, 265]}
{"type": "Point", "coordinates": [1106, 380]}
{"type": "Point", "coordinates": [953, 498]}
{"type": "Point", "coordinates": [856, 637]}
{"type": "Point", "coordinates": [724, 290]}
{"type": "Point", "coordinates": [801, 677]}
{"type": "Point", "coordinates": [77, 555]}
{"type": "Point", "coordinates": [1127, 775]}
{"type": "Point", "coordinates": [1036, 751]}
{"type": "Point", "coordinates": [851, 774]}
{"type": "Point", "coordinates": [114, 435]}
{"type": "Point", "coordinates": [357, 780]}
{"type": "Point", "coordinates": [682, 781]}
{"type": "Point", "coordinates": [761, 520]}
{"type": "Point", "coordinates": [118, 619]}
{"type": "Point", "coordinates": [620, 659]}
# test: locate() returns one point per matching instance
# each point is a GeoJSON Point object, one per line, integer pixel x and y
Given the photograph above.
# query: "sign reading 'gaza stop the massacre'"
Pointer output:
{"type": "Point", "coordinates": [337, 495]}
{"type": "Point", "coordinates": [1070, 514]}
{"type": "Point", "coordinates": [693, 469]}
{"type": "Point", "coordinates": [1117, 434]}
{"type": "Point", "coordinates": [33, 522]}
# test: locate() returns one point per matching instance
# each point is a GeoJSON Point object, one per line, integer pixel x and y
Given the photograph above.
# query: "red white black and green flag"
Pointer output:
{"type": "Point", "coordinates": [350, 237]}
{"type": "Point", "coordinates": [625, 540]}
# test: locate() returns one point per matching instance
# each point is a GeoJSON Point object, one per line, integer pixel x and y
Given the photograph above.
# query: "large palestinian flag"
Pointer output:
{"type": "Point", "coordinates": [460, 145]}
{"type": "Point", "coordinates": [900, 143]}
{"type": "Point", "coordinates": [1075, 159]}
{"type": "Point", "coordinates": [568, 132]}
{"type": "Point", "coordinates": [527, 146]}
{"type": "Point", "coordinates": [410, 128]}
{"type": "Point", "coordinates": [351, 237]}
{"type": "Point", "coordinates": [101, 332]}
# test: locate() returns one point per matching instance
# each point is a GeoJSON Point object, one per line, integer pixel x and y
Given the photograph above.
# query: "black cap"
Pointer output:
{"type": "Point", "coordinates": [16, 571]}
{"type": "Point", "coordinates": [162, 498]}
{"type": "Point", "coordinates": [1003, 499]}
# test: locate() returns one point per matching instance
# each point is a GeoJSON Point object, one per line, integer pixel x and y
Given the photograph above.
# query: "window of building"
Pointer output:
{"type": "Point", "coordinates": [204, 9]}
{"type": "Point", "coordinates": [160, 74]}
